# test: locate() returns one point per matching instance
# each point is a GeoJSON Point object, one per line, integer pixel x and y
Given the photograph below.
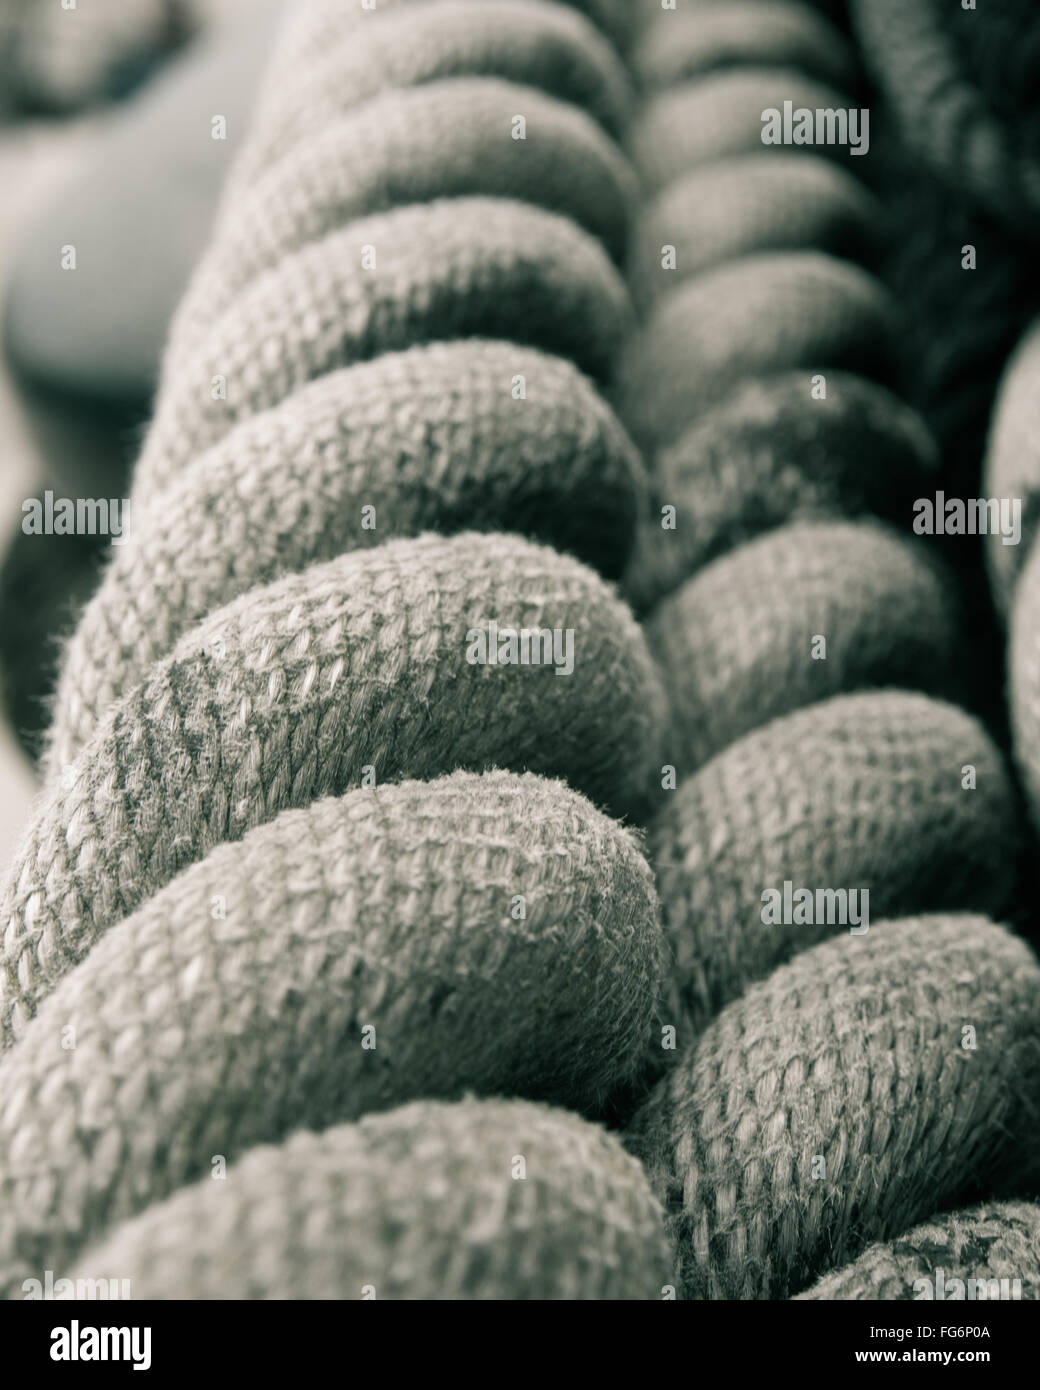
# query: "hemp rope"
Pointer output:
{"type": "Point", "coordinates": [997, 1240]}
{"type": "Point", "coordinates": [832, 1104]}
{"type": "Point", "coordinates": [225, 735]}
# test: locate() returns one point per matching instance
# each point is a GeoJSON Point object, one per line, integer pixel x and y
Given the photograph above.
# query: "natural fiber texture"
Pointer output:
{"type": "Point", "coordinates": [959, 92]}
{"type": "Point", "coordinates": [737, 207]}
{"type": "Point", "coordinates": [425, 1202]}
{"type": "Point", "coordinates": [288, 694]}
{"type": "Point", "coordinates": [850, 1053]}
{"type": "Point", "coordinates": [864, 792]}
{"type": "Point", "coordinates": [540, 44]}
{"type": "Point", "coordinates": [736, 32]}
{"type": "Point", "coordinates": [738, 644]}
{"type": "Point", "coordinates": [429, 437]}
{"type": "Point", "coordinates": [720, 116]}
{"type": "Point", "coordinates": [233, 672]}
{"type": "Point", "coordinates": [836, 1104]}
{"type": "Point", "coordinates": [490, 932]}
{"type": "Point", "coordinates": [455, 268]}
{"type": "Point", "coordinates": [763, 456]}
{"type": "Point", "coordinates": [449, 138]}
{"type": "Point", "coordinates": [313, 31]}
{"type": "Point", "coordinates": [242, 703]}
{"type": "Point", "coordinates": [997, 1241]}
{"type": "Point", "coordinates": [751, 316]}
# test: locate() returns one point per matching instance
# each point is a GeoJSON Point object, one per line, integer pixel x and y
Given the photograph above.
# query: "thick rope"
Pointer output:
{"type": "Point", "coordinates": [997, 1241]}
{"type": "Point", "coordinates": [227, 1010]}
{"type": "Point", "coordinates": [429, 1201]}
{"type": "Point", "coordinates": [276, 650]}
{"type": "Point", "coordinates": [835, 1102]}
{"type": "Point", "coordinates": [285, 809]}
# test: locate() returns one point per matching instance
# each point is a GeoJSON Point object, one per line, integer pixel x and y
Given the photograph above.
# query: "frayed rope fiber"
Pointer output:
{"type": "Point", "coordinates": [301, 858]}
{"type": "Point", "coordinates": [292, 691]}
{"type": "Point", "coordinates": [834, 1103]}
{"type": "Point", "coordinates": [847, 1094]}
{"type": "Point", "coordinates": [422, 1202]}
{"type": "Point", "coordinates": [224, 1012]}
{"type": "Point", "coordinates": [429, 438]}
{"type": "Point", "coordinates": [997, 1241]}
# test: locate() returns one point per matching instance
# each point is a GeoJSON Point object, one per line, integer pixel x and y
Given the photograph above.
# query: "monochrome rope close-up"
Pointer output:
{"type": "Point", "coordinates": [356, 949]}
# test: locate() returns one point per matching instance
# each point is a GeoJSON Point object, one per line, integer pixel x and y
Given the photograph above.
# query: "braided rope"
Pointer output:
{"type": "Point", "coordinates": [218, 903]}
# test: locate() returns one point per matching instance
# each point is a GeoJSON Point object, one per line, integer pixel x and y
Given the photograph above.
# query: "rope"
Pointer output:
{"type": "Point", "coordinates": [299, 859]}
{"type": "Point", "coordinates": [265, 693]}
{"type": "Point", "coordinates": [834, 1102]}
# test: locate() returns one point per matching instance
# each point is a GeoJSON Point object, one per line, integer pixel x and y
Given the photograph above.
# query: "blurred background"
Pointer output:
{"type": "Point", "coordinates": [106, 122]}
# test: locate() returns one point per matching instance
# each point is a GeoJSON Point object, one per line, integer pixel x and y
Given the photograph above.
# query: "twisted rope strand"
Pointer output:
{"type": "Point", "coordinates": [834, 1103]}
{"type": "Point", "coordinates": [226, 1011]}
{"type": "Point", "coordinates": [290, 692]}
{"type": "Point", "coordinates": [231, 694]}
{"type": "Point", "coordinates": [419, 1203]}
{"type": "Point", "coordinates": [255, 678]}
{"type": "Point", "coordinates": [837, 1101]}
{"type": "Point", "coordinates": [996, 1241]}
{"type": "Point", "coordinates": [430, 437]}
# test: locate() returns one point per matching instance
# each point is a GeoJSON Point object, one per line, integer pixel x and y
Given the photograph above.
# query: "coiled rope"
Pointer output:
{"type": "Point", "coordinates": [298, 860]}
